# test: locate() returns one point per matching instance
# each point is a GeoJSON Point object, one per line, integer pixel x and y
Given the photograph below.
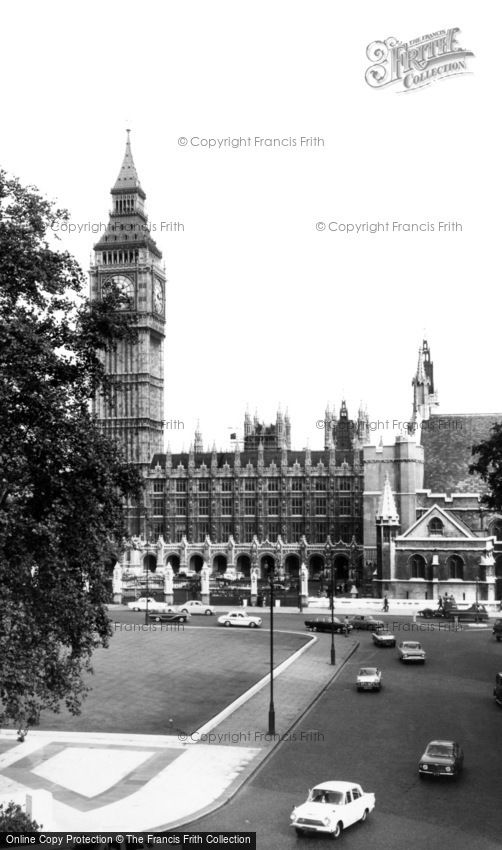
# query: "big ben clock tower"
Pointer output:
{"type": "Point", "coordinates": [127, 257]}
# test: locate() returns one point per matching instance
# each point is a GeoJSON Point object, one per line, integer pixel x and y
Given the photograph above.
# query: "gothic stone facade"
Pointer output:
{"type": "Point", "coordinates": [399, 518]}
{"type": "Point", "coordinates": [257, 506]}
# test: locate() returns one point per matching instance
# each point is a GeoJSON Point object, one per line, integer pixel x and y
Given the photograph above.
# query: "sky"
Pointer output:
{"type": "Point", "coordinates": [264, 307]}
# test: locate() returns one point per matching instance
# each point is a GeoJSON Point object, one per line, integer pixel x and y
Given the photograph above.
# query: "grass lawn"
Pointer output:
{"type": "Point", "coordinates": [160, 681]}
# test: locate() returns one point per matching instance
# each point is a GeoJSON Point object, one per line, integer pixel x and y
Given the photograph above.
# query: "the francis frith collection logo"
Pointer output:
{"type": "Point", "coordinates": [413, 64]}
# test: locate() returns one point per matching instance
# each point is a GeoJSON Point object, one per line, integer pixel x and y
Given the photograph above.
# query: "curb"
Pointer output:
{"type": "Point", "coordinates": [267, 753]}
{"type": "Point", "coordinates": [256, 688]}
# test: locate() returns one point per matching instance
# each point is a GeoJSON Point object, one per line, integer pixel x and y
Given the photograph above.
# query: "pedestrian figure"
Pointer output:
{"type": "Point", "coordinates": [346, 626]}
{"type": "Point", "coordinates": [440, 603]}
{"type": "Point", "coordinates": [385, 604]}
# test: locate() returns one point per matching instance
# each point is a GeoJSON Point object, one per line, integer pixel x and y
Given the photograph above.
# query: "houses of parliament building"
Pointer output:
{"type": "Point", "coordinates": [391, 519]}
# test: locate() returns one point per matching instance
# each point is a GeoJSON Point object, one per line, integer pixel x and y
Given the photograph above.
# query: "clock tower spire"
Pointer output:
{"type": "Point", "coordinates": [127, 257]}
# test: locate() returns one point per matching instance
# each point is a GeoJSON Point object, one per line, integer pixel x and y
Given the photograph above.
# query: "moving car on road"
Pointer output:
{"type": "Point", "coordinates": [168, 617]}
{"type": "Point", "coordinates": [369, 679]}
{"type": "Point", "coordinates": [383, 637]}
{"type": "Point", "coordinates": [441, 758]}
{"type": "Point", "coordinates": [239, 618]}
{"type": "Point", "coordinates": [323, 624]}
{"type": "Point", "coordinates": [331, 807]}
{"type": "Point", "coordinates": [194, 606]}
{"type": "Point", "coordinates": [411, 650]}
{"type": "Point", "coordinates": [368, 623]}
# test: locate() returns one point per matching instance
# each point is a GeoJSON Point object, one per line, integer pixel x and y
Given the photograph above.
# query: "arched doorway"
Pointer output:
{"type": "Point", "coordinates": [150, 563]}
{"type": "Point", "coordinates": [267, 563]}
{"type": "Point", "coordinates": [196, 562]}
{"type": "Point", "coordinates": [292, 566]}
{"type": "Point", "coordinates": [244, 565]}
{"type": "Point", "coordinates": [341, 567]}
{"type": "Point", "coordinates": [174, 562]}
{"type": "Point", "coordinates": [317, 576]}
{"type": "Point", "coordinates": [316, 566]}
{"type": "Point", "coordinates": [219, 564]}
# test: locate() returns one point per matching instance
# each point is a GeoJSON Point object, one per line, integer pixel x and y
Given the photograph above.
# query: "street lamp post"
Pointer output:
{"type": "Point", "coordinates": [477, 598]}
{"type": "Point", "coordinates": [333, 572]}
{"type": "Point", "coordinates": [147, 593]}
{"type": "Point", "coordinates": [271, 708]}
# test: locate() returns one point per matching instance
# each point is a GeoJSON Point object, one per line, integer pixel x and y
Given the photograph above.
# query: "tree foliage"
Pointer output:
{"type": "Point", "coordinates": [488, 465]}
{"type": "Point", "coordinates": [14, 819]}
{"type": "Point", "coordinates": [62, 482]}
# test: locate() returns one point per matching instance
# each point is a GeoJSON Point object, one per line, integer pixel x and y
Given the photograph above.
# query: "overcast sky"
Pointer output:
{"type": "Point", "coordinates": [262, 307]}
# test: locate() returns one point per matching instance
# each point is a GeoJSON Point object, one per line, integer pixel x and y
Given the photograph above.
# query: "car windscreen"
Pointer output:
{"type": "Point", "coordinates": [367, 671]}
{"type": "Point", "coordinates": [440, 751]}
{"type": "Point", "coordinates": [320, 795]}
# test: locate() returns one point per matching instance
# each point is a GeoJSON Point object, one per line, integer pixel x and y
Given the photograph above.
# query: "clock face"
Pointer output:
{"type": "Point", "coordinates": [158, 297]}
{"type": "Point", "coordinates": [124, 285]}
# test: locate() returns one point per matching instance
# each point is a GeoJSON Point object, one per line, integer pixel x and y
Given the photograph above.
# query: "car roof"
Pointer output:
{"type": "Point", "coordinates": [323, 619]}
{"type": "Point", "coordinates": [442, 742]}
{"type": "Point", "coordinates": [333, 785]}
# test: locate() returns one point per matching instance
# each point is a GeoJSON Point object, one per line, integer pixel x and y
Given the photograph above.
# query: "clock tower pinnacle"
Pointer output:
{"type": "Point", "coordinates": [127, 257]}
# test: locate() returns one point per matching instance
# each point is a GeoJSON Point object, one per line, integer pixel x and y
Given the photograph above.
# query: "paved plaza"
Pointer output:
{"type": "Point", "coordinates": [128, 780]}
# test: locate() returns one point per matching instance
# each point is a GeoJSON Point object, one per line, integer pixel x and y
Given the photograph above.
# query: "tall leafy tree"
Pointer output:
{"type": "Point", "coordinates": [62, 482]}
{"type": "Point", "coordinates": [488, 465]}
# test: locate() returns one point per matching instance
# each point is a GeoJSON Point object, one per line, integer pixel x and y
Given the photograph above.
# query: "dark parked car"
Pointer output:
{"type": "Point", "coordinates": [429, 613]}
{"type": "Point", "coordinates": [497, 629]}
{"type": "Point", "coordinates": [441, 758]}
{"type": "Point", "coordinates": [368, 623]}
{"type": "Point", "coordinates": [475, 613]}
{"type": "Point", "coordinates": [497, 691]}
{"type": "Point", "coordinates": [323, 624]}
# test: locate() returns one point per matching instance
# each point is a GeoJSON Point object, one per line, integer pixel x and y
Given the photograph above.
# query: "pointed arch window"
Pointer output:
{"type": "Point", "coordinates": [417, 566]}
{"type": "Point", "coordinates": [496, 529]}
{"type": "Point", "coordinates": [455, 567]}
{"type": "Point", "coordinates": [436, 526]}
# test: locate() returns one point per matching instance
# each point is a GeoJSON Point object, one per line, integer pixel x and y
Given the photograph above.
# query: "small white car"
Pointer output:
{"type": "Point", "coordinates": [194, 606]}
{"type": "Point", "coordinates": [331, 807]}
{"type": "Point", "coordinates": [149, 602]}
{"type": "Point", "coordinates": [383, 637]}
{"type": "Point", "coordinates": [239, 618]}
{"type": "Point", "coordinates": [411, 650]}
{"type": "Point", "coordinates": [369, 679]}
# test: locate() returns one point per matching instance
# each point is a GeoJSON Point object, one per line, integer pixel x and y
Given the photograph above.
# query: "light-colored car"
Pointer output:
{"type": "Point", "coordinates": [366, 623]}
{"type": "Point", "coordinates": [148, 602]}
{"type": "Point", "coordinates": [369, 679]}
{"type": "Point", "coordinates": [331, 807]}
{"type": "Point", "coordinates": [194, 606]}
{"type": "Point", "coordinates": [383, 637]}
{"type": "Point", "coordinates": [239, 618]}
{"type": "Point", "coordinates": [411, 650]}
{"type": "Point", "coordinates": [441, 758]}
